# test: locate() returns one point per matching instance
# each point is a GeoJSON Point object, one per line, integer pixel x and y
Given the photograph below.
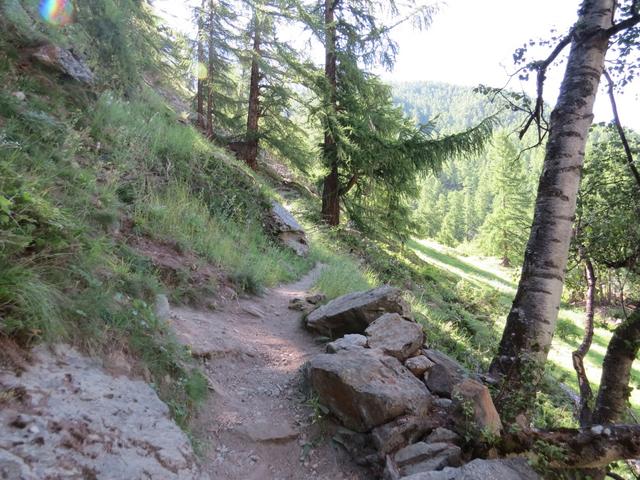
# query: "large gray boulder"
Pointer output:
{"type": "Point", "coordinates": [286, 228]}
{"type": "Point", "coordinates": [365, 388]}
{"type": "Point", "coordinates": [501, 469]}
{"type": "Point", "coordinates": [73, 420]}
{"type": "Point", "coordinates": [352, 313]}
{"type": "Point", "coordinates": [64, 61]}
{"type": "Point", "coordinates": [395, 336]}
{"type": "Point", "coordinates": [445, 374]}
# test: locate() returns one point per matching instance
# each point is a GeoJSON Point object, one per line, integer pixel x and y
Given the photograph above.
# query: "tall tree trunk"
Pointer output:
{"type": "Point", "coordinates": [586, 395]}
{"type": "Point", "coordinates": [211, 64]}
{"type": "Point", "coordinates": [331, 186]}
{"type": "Point", "coordinates": [531, 322]}
{"type": "Point", "coordinates": [201, 59]}
{"type": "Point", "coordinates": [250, 152]}
{"type": "Point", "coordinates": [613, 395]}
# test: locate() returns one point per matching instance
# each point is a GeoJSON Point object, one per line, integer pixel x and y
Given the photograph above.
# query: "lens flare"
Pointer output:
{"type": "Point", "coordinates": [57, 12]}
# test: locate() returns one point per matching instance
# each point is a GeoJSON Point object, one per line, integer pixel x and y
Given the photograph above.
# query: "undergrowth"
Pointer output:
{"type": "Point", "coordinates": [84, 170]}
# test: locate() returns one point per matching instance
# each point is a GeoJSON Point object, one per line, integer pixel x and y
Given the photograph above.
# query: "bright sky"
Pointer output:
{"type": "Point", "coordinates": [471, 42]}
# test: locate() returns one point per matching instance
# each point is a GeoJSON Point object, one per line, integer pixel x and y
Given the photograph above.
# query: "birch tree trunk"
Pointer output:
{"type": "Point", "coordinates": [331, 186]}
{"type": "Point", "coordinates": [532, 320]}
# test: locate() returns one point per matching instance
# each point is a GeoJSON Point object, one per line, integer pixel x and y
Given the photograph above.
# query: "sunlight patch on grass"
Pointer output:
{"type": "Point", "coordinates": [570, 327]}
{"type": "Point", "coordinates": [447, 260]}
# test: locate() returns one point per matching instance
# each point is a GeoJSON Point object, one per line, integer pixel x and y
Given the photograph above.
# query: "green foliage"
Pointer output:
{"type": "Point", "coordinates": [75, 169]}
{"type": "Point", "coordinates": [179, 216]}
{"type": "Point", "coordinates": [342, 275]}
{"type": "Point", "coordinates": [608, 218]}
{"type": "Point", "coordinates": [505, 230]}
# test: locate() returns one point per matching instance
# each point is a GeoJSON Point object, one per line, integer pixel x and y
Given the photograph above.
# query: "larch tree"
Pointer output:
{"type": "Point", "coordinates": [368, 145]}
{"type": "Point", "coordinates": [276, 81]}
{"type": "Point", "coordinates": [504, 231]}
{"type": "Point", "coordinates": [531, 322]}
{"type": "Point", "coordinates": [217, 50]}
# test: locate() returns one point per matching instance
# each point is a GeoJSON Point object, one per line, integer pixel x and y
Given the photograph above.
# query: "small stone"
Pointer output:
{"type": "Point", "coordinates": [161, 307]}
{"type": "Point", "coordinates": [440, 435]}
{"type": "Point", "coordinates": [418, 365]}
{"type": "Point", "coordinates": [351, 340]}
{"type": "Point", "coordinates": [418, 452]}
{"type": "Point", "coordinates": [444, 374]}
{"type": "Point", "coordinates": [444, 403]}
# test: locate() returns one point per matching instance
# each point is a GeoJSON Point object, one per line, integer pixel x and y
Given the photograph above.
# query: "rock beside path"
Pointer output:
{"type": "Point", "coordinates": [501, 469]}
{"type": "Point", "coordinates": [287, 229]}
{"type": "Point", "coordinates": [68, 418]}
{"type": "Point", "coordinates": [365, 389]}
{"type": "Point", "coordinates": [354, 312]}
{"type": "Point", "coordinates": [445, 374]}
{"type": "Point", "coordinates": [64, 61]}
{"type": "Point", "coordinates": [395, 336]}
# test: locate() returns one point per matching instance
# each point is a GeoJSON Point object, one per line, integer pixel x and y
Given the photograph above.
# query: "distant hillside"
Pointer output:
{"type": "Point", "coordinates": [454, 106]}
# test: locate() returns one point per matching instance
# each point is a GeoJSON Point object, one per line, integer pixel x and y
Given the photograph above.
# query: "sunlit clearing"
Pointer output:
{"type": "Point", "coordinates": [57, 12]}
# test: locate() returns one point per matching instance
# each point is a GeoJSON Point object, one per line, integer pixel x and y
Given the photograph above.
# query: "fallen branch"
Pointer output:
{"type": "Point", "coordinates": [584, 448]}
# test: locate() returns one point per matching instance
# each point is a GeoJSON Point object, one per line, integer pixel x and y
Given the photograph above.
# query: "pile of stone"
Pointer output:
{"type": "Point", "coordinates": [404, 405]}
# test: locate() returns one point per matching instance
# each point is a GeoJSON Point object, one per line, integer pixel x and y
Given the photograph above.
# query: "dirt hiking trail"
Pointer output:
{"type": "Point", "coordinates": [257, 424]}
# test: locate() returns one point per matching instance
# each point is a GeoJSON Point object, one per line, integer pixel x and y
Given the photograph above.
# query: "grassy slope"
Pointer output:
{"type": "Point", "coordinates": [83, 173]}
{"type": "Point", "coordinates": [486, 272]}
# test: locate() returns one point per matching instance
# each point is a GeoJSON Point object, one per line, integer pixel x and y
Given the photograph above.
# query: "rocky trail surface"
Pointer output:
{"type": "Point", "coordinates": [258, 422]}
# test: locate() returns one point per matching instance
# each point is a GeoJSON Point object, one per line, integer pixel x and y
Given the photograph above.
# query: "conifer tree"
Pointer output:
{"type": "Point", "coordinates": [217, 51]}
{"type": "Point", "coordinates": [355, 140]}
{"type": "Point", "coordinates": [275, 82]}
{"type": "Point", "coordinates": [505, 231]}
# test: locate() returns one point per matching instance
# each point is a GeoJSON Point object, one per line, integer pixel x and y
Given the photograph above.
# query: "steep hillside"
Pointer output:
{"type": "Point", "coordinates": [109, 199]}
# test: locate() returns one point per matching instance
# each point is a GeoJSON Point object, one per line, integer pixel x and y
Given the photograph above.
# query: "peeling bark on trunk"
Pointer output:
{"type": "Point", "coordinates": [613, 395]}
{"type": "Point", "coordinates": [586, 395]}
{"type": "Point", "coordinates": [331, 186]}
{"type": "Point", "coordinates": [531, 322]}
{"type": "Point", "coordinates": [250, 153]}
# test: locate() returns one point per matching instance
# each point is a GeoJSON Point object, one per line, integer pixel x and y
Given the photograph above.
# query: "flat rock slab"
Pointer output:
{"type": "Point", "coordinates": [64, 61]}
{"type": "Point", "coordinates": [395, 336]}
{"type": "Point", "coordinates": [354, 312]}
{"type": "Point", "coordinates": [422, 457]}
{"type": "Point", "coordinates": [365, 389]}
{"type": "Point", "coordinates": [351, 340]}
{"type": "Point", "coordinates": [501, 469]}
{"type": "Point", "coordinates": [418, 365]}
{"type": "Point", "coordinates": [73, 420]}
{"type": "Point", "coordinates": [398, 433]}
{"type": "Point", "coordinates": [265, 431]}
